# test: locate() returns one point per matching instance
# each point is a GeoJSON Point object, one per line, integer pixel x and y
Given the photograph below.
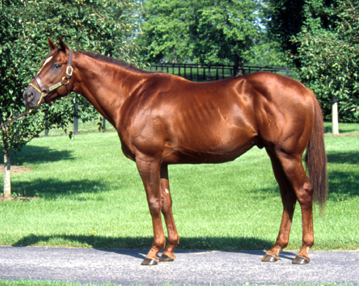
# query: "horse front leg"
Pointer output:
{"type": "Point", "coordinates": [149, 169]}
{"type": "Point", "coordinates": [173, 238]}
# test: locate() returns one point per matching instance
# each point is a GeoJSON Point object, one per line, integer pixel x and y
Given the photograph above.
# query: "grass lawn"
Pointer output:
{"type": "Point", "coordinates": [90, 195]}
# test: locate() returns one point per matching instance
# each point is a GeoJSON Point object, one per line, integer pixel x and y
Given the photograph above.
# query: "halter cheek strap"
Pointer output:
{"type": "Point", "coordinates": [45, 90]}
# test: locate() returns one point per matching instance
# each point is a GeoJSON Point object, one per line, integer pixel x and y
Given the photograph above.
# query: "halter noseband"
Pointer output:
{"type": "Point", "coordinates": [45, 90]}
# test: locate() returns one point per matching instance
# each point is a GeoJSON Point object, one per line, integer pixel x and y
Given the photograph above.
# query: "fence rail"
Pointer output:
{"type": "Point", "coordinates": [213, 72]}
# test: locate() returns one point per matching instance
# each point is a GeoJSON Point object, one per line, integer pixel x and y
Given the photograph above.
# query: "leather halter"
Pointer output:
{"type": "Point", "coordinates": [46, 90]}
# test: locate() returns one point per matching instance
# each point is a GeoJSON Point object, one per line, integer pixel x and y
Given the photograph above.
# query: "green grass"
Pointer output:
{"type": "Point", "coordinates": [83, 128]}
{"type": "Point", "coordinates": [90, 195]}
{"type": "Point", "coordinates": [344, 128]}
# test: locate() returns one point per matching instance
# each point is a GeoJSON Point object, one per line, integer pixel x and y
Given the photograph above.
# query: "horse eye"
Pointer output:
{"type": "Point", "coordinates": [57, 66]}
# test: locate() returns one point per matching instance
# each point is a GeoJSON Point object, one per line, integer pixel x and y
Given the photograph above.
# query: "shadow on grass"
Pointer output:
{"type": "Point", "coordinates": [52, 189]}
{"type": "Point", "coordinates": [343, 185]}
{"type": "Point", "coordinates": [329, 130]}
{"type": "Point", "coordinates": [112, 243]}
{"type": "Point", "coordinates": [35, 154]}
{"type": "Point", "coordinates": [343, 157]}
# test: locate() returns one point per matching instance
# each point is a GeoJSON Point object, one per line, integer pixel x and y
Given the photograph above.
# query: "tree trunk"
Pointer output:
{"type": "Point", "coordinates": [7, 182]}
{"type": "Point", "coordinates": [335, 124]}
{"type": "Point", "coordinates": [76, 120]}
{"type": "Point", "coordinates": [103, 124]}
{"type": "Point", "coordinates": [238, 66]}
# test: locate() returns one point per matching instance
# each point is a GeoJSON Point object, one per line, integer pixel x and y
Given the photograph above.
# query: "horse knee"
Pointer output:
{"type": "Point", "coordinates": [305, 194]}
{"type": "Point", "coordinates": [155, 206]}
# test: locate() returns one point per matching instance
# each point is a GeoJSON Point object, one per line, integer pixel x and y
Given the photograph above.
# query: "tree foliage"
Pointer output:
{"type": "Point", "coordinates": [329, 57]}
{"type": "Point", "coordinates": [104, 27]}
{"type": "Point", "coordinates": [321, 37]}
{"type": "Point", "coordinates": [203, 32]}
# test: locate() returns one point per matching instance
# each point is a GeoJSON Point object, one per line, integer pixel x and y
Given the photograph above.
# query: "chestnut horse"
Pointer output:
{"type": "Point", "coordinates": [163, 119]}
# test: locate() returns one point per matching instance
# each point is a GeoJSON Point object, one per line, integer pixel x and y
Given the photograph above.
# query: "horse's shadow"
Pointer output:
{"type": "Point", "coordinates": [127, 245]}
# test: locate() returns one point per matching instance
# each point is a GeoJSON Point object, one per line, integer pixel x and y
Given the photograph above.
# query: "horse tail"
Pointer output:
{"type": "Point", "coordinates": [316, 158]}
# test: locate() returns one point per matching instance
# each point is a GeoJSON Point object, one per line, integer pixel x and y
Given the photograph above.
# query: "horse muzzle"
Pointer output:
{"type": "Point", "coordinates": [32, 97]}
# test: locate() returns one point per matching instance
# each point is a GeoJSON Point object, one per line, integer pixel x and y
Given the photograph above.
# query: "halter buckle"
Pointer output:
{"type": "Point", "coordinates": [65, 80]}
{"type": "Point", "coordinates": [69, 71]}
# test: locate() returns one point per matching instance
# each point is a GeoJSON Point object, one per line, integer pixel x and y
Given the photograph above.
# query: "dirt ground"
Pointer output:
{"type": "Point", "coordinates": [14, 171]}
{"type": "Point", "coordinates": [17, 169]}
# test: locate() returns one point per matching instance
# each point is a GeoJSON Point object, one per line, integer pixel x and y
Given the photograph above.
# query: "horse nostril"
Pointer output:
{"type": "Point", "coordinates": [29, 96]}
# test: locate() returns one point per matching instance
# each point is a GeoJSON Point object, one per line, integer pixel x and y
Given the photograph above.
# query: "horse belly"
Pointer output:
{"type": "Point", "coordinates": [210, 148]}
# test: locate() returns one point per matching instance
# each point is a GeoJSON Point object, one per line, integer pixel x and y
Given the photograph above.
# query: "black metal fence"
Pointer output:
{"type": "Point", "coordinates": [213, 72]}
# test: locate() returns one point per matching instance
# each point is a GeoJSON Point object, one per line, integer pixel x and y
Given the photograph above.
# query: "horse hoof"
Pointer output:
{"type": "Point", "coordinates": [300, 260]}
{"type": "Point", "coordinates": [269, 258]}
{"type": "Point", "coordinates": [166, 258]}
{"type": "Point", "coordinates": [149, 262]}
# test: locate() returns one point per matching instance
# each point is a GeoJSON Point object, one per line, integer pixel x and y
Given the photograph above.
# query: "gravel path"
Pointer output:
{"type": "Point", "coordinates": [99, 266]}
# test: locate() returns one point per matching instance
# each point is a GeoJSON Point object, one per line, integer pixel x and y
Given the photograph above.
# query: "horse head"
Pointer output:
{"type": "Point", "coordinates": [53, 80]}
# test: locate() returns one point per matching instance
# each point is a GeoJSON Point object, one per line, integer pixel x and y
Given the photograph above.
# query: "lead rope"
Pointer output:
{"type": "Point", "coordinates": [17, 117]}
{"type": "Point", "coordinates": [28, 111]}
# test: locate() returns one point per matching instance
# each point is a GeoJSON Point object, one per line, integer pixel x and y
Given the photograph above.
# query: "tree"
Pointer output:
{"type": "Point", "coordinates": [203, 32]}
{"type": "Point", "coordinates": [286, 18]}
{"type": "Point", "coordinates": [101, 26]}
{"type": "Point", "coordinates": [325, 50]}
{"type": "Point", "coordinates": [329, 59]}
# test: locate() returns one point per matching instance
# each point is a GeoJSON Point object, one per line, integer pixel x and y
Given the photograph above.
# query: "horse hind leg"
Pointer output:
{"type": "Point", "coordinates": [173, 238]}
{"type": "Point", "coordinates": [294, 172]}
{"type": "Point", "coordinates": [288, 201]}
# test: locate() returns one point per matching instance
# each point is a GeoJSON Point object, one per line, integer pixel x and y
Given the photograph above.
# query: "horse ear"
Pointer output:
{"type": "Point", "coordinates": [52, 45]}
{"type": "Point", "coordinates": [62, 44]}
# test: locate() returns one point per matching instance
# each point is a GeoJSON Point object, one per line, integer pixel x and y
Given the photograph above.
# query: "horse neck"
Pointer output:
{"type": "Point", "coordinates": [106, 86]}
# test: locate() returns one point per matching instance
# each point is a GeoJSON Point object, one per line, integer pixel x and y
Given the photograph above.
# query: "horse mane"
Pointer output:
{"type": "Point", "coordinates": [117, 62]}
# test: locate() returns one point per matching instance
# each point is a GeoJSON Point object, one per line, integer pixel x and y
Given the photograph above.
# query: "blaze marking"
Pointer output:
{"type": "Point", "coordinates": [46, 61]}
